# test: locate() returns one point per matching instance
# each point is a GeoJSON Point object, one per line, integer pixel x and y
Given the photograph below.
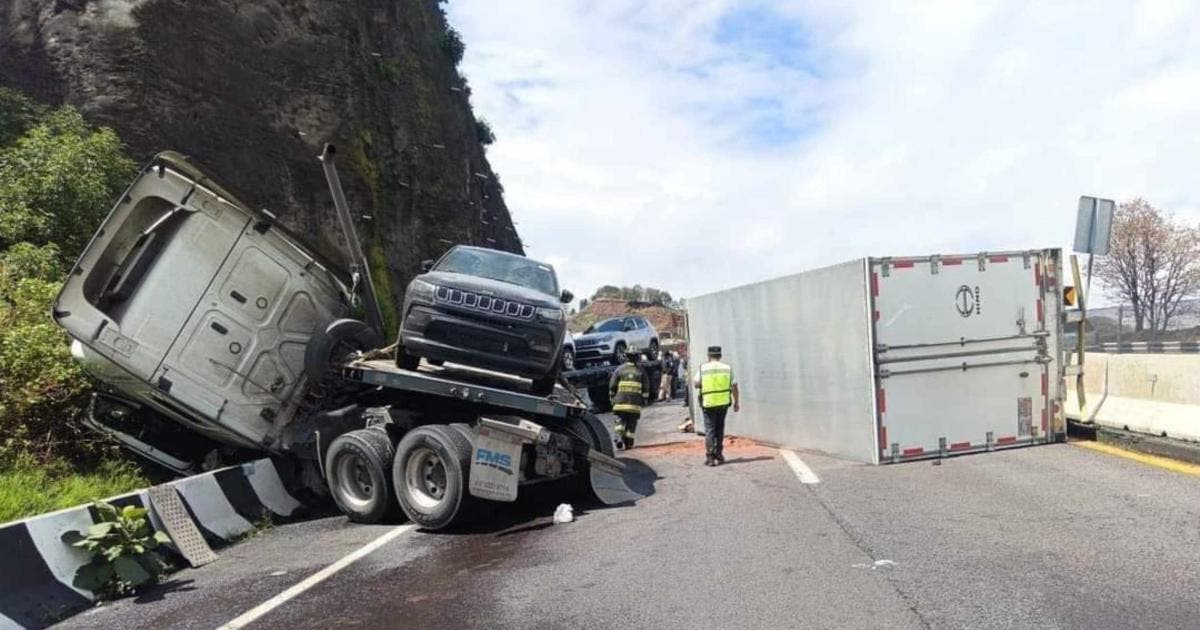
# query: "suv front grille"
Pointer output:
{"type": "Point", "coordinates": [473, 300]}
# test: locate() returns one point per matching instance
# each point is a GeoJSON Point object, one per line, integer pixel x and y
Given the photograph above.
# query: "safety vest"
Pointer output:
{"type": "Point", "coordinates": [716, 379]}
{"type": "Point", "coordinates": [630, 391]}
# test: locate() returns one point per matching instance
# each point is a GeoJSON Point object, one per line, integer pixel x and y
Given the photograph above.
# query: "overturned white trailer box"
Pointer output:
{"type": "Point", "coordinates": [891, 359]}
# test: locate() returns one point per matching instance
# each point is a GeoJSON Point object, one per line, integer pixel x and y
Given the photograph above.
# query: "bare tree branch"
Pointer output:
{"type": "Point", "coordinates": [1153, 264]}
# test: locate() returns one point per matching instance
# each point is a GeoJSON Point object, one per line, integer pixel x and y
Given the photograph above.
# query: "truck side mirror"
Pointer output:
{"type": "Point", "coordinates": [426, 265]}
{"type": "Point", "coordinates": [566, 297]}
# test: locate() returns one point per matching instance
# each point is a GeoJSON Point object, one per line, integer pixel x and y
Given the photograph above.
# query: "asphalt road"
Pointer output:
{"type": "Point", "coordinates": [1052, 536]}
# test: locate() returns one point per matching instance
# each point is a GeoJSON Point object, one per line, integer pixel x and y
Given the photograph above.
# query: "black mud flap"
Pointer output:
{"type": "Point", "coordinates": [608, 480]}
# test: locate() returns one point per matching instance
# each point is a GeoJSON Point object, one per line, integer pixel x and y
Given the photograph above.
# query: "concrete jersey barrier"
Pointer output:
{"type": "Point", "coordinates": [37, 568]}
{"type": "Point", "coordinates": [1152, 394]}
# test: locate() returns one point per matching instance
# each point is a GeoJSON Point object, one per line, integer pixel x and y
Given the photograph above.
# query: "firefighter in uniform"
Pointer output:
{"type": "Point", "coordinates": [718, 390]}
{"type": "Point", "coordinates": [629, 389]}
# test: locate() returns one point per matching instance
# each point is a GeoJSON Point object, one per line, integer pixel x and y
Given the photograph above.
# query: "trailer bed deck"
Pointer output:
{"type": "Point", "coordinates": [465, 384]}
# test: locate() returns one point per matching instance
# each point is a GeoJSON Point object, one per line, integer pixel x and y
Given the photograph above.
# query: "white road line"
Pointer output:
{"type": "Point", "coordinates": [803, 472]}
{"type": "Point", "coordinates": [253, 614]}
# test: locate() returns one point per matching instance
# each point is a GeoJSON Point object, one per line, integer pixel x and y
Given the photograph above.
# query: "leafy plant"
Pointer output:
{"type": "Point", "coordinates": [124, 552]}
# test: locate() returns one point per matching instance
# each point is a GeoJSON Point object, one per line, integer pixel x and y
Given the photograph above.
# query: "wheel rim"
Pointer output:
{"type": "Point", "coordinates": [425, 478]}
{"type": "Point", "coordinates": [568, 361]}
{"type": "Point", "coordinates": [354, 480]}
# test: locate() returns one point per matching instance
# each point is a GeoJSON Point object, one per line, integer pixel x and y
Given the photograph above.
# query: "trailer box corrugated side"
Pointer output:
{"type": "Point", "coordinates": [889, 359]}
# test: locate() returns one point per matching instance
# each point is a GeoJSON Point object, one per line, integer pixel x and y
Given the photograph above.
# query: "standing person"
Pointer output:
{"type": "Point", "coordinates": [668, 374]}
{"type": "Point", "coordinates": [718, 388]}
{"type": "Point", "coordinates": [629, 388]}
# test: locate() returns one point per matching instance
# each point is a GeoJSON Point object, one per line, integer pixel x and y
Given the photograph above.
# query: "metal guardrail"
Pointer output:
{"type": "Point", "coordinates": [1147, 347]}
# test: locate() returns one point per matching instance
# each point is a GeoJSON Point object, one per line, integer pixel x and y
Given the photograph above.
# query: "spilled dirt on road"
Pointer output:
{"type": "Point", "coordinates": [734, 447]}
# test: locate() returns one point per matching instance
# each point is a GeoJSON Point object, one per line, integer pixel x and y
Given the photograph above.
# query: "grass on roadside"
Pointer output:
{"type": "Point", "coordinates": [28, 488]}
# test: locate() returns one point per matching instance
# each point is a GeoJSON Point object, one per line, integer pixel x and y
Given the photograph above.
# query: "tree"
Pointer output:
{"type": "Point", "coordinates": [608, 291]}
{"type": "Point", "coordinates": [1153, 264]}
{"type": "Point", "coordinates": [636, 293]}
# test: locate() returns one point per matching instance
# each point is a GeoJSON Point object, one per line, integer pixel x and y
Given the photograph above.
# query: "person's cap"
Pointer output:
{"type": "Point", "coordinates": [714, 349]}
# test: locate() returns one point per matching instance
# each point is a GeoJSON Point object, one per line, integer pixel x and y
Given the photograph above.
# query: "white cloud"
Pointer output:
{"type": "Point", "coordinates": [636, 144]}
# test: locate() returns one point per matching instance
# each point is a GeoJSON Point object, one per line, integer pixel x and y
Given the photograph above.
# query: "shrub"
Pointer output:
{"type": "Point", "coordinates": [58, 179]}
{"type": "Point", "coordinates": [124, 552]}
{"type": "Point", "coordinates": [452, 45]}
{"type": "Point", "coordinates": [483, 132]}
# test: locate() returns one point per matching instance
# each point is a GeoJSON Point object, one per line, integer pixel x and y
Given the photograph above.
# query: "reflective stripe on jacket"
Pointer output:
{"type": "Point", "coordinates": [716, 380]}
{"type": "Point", "coordinates": [629, 389]}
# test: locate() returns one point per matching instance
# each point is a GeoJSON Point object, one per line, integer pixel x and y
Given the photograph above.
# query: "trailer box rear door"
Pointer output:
{"type": "Point", "coordinates": [965, 352]}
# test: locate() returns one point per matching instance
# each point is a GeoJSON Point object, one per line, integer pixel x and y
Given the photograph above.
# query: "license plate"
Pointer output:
{"type": "Point", "coordinates": [494, 473]}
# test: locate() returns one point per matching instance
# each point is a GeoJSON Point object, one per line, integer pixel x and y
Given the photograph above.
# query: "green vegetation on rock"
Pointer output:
{"type": "Point", "coordinates": [58, 179]}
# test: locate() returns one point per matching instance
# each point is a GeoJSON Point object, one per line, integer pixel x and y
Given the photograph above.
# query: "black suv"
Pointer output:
{"type": "Point", "coordinates": [488, 309]}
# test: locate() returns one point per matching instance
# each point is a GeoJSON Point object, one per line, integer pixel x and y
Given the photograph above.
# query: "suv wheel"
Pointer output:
{"type": "Point", "coordinates": [568, 360]}
{"type": "Point", "coordinates": [653, 349]}
{"type": "Point", "coordinates": [618, 356]}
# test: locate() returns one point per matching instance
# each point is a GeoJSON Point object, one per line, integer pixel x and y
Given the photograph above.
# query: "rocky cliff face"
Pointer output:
{"type": "Point", "coordinates": [251, 89]}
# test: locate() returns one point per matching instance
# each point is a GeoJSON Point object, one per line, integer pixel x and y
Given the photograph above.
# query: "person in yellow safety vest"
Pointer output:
{"type": "Point", "coordinates": [629, 388]}
{"type": "Point", "coordinates": [718, 390]}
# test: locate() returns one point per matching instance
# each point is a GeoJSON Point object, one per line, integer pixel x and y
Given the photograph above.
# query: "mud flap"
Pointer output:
{"type": "Point", "coordinates": [608, 479]}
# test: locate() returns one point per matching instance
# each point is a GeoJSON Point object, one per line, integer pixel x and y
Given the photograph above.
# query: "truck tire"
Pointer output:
{"type": "Point", "coordinates": [465, 430]}
{"type": "Point", "coordinates": [357, 471]}
{"type": "Point", "coordinates": [430, 475]}
{"type": "Point", "coordinates": [590, 427]}
{"type": "Point", "coordinates": [340, 338]}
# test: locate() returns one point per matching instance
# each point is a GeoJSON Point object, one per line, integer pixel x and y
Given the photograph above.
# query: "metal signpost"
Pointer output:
{"type": "Point", "coordinates": [1093, 231]}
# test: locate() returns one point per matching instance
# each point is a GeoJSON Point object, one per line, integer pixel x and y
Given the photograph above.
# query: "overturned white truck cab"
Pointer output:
{"type": "Point", "coordinates": [218, 335]}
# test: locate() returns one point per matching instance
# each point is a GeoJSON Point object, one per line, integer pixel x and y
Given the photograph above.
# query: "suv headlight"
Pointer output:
{"type": "Point", "coordinates": [553, 314]}
{"type": "Point", "coordinates": [421, 290]}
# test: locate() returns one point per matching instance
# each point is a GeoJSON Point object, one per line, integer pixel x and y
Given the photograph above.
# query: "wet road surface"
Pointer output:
{"type": "Point", "coordinates": [1052, 536]}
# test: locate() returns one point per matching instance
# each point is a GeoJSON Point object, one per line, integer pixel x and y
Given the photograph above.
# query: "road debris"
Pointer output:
{"type": "Point", "coordinates": [564, 513]}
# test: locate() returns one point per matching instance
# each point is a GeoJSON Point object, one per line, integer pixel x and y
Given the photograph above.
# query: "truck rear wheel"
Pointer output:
{"type": "Point", "coordinates": [590, 429]}
{"type": "Point", "coordinates": [430, 475]}
{"type": "Point", "coordinates": [357, 472]}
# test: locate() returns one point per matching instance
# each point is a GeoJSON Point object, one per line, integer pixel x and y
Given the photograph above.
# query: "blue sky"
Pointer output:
{"type": "Point", "coordinates": [639, 141]}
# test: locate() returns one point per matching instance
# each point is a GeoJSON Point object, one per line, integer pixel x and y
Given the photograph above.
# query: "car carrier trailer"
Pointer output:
{"type": "Point", "coordinates": [212, 327]}
{"type": "Point", "coordinates": [594, 379]}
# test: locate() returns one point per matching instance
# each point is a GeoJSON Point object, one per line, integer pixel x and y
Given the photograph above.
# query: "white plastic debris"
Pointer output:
{"type": "Point", "coordinates": [564, 513]}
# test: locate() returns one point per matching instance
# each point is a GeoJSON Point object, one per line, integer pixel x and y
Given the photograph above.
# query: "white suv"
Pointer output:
{"type": "Point", "coordinates": [607, 340]}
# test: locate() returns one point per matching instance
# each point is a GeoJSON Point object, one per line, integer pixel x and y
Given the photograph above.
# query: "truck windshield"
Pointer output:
{"type": "Point", "coordinates": [508, 268]}
{"type": "Point", "coordinates": [610, 325]}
